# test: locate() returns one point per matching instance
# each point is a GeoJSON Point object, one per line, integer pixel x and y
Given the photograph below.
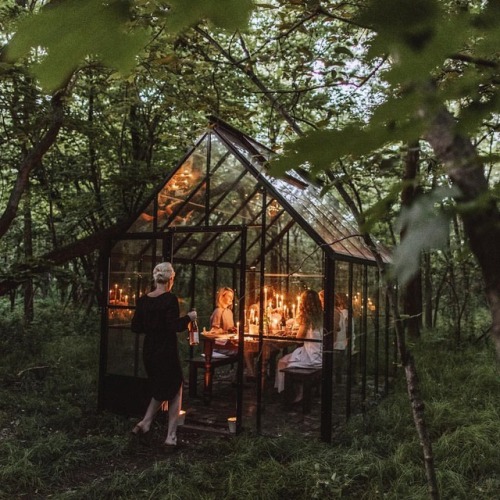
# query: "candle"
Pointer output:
{"type": "Point", "coordinates": [265, 296]}
{"type": "Point", "coordinates": [293, 310]}
{"type": "Point", "coordinates": [238, 326]}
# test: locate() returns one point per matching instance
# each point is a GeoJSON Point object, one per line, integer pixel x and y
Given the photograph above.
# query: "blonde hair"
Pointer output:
{"type": "Point", "coordinates": [163, 272]}
{"type": "Point", "coordinates": [221, 292]}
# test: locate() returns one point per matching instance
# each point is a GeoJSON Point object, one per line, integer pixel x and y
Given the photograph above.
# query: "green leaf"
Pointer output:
{"type": "Point", "coordinates": [472, 116]}
{"type": "Point", "coordinates": [343, 50]}
{"type": "Point", "coordinates": [70, 31]}
{"type": "Point", "coordinates": [426, 226]}
{"type": "Point", "coordinates": [66, 33]}
{"type": "Point", "coordinates": [227, 14]}
{"type": "Point", "coordinates": [379, 210]}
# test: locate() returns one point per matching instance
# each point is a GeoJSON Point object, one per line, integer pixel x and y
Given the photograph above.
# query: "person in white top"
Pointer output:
{"type": "Point", "coordinates": [310, 319]}
{"type": "Point", "coordinates": [222, 321]}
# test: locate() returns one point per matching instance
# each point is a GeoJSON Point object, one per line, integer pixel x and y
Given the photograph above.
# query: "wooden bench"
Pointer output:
{"type": "Point", "coordinates": [208, 369]}
{"type": "Point", "coordinates": [308, 377]}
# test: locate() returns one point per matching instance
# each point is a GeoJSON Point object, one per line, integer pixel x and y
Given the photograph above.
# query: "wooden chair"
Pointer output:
{"type": "Point", "coordinates": [201, 363]}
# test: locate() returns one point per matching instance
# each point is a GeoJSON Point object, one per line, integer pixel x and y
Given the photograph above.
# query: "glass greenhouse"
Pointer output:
{"type": "Point", "coordinates": [224, 221]}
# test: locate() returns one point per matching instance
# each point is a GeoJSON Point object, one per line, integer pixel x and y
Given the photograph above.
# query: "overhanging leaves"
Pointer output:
{"type": "Point", "coordinates": [61, 36]}
{"type": "Point", "coordinates": [426, 226]}
{"type": "Point", "coordinates": [69, 32]}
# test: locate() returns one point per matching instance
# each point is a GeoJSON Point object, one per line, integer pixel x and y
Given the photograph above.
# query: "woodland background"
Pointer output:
{"type": "Point", "coordinates": [393, 104]}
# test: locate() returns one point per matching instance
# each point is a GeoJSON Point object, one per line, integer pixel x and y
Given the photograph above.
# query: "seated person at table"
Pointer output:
{"type": "Point", "coordinates": [310, 319]}
{"type": "Point", "coordinates": [222, 320]}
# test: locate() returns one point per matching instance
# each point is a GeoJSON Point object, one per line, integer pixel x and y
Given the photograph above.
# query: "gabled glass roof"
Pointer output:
{"type": "Point", "coordinates": [223, 181]}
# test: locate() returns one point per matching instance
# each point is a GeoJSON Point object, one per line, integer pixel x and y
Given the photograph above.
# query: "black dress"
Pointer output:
{"type": "Point", "coordinates": [158, 318]}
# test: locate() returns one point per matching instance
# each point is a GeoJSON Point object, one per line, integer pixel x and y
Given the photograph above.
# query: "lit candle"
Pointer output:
{"type": "Point", "coordinates": [238, 326]}
{"type": "Point", "coordinates": [293, 310]}
{"type": "Point", "coordinates": [265, 296]}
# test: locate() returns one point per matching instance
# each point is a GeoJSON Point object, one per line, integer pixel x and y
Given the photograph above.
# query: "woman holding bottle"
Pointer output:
{"type": "Point", "coordinates": [157, 316]}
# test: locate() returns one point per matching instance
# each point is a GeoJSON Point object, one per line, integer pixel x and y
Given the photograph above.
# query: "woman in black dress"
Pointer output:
{"type": "Point", "coordinates": [157, 316]}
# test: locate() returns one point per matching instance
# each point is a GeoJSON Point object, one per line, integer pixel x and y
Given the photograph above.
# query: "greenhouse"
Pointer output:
{"type": "Point", "coordinates": [224, 221]}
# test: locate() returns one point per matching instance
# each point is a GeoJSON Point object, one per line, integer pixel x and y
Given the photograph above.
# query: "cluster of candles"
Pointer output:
{"type": "Point", "coordinates": [357, 303]}
{"type": "Point", "coordinates": [118, 297]}
{"type": "Point", "coordinates": [276, 310]}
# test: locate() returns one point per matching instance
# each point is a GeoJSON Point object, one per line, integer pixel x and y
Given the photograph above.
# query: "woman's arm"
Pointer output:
{"type": "Point", "coordinates": [216, 320]}
{"type": "Point", "coordinates": [181, 323]}
{"type": "Point", "coordinates": [301, 333]}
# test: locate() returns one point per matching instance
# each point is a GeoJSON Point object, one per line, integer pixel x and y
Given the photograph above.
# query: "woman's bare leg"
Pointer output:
{"type": "Point", "coordinates": [174, 408]}
{"type": "Point", "coordinates": [147, 420]}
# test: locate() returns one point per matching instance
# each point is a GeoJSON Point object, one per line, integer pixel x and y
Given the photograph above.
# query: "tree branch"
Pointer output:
{"type": "Point", "coordinates": [247, 70]}
{"type": "Point", "coordinates": [79, 248]}
{"type": "Point", "coordinates": [31, 160]}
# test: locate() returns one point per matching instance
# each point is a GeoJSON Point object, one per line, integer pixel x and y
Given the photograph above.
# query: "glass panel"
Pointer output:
{"type": "Point", "coordinates": [145, 221]}
{"type": "Point", "coordinates": [216, 247]}
{"type": "Point", "coordinates": [131, 264]}
{"type": "Point", "coordinates": [374, 344]}
{"type": "Point", "coordinates": [122, 345]}
{"type": "Point", "coordinates": [357, 346]}
{"type": "Point", "coordinates": [232, 190]}
{"type": "Point", "coordinates": [285, 279]}
{"type": "Point", "coordinates": [181, 202]}
{"type": "Point", "coordinates": [130, 267]}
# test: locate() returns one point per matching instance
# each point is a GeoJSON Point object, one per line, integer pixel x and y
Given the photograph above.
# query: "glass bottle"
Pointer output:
{"type": "Point", "coordinates": [194, 333]}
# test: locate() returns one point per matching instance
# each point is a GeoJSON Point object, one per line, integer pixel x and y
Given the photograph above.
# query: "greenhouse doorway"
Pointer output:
{"type": "Point", "coordinates": [204, 258]}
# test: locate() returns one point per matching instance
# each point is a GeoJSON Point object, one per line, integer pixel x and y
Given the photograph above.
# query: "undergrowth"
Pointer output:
{"type": "Point", "coordinates": [54, 444]}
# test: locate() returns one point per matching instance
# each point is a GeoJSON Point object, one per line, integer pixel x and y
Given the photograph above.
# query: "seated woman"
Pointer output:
{"type": "Point", "coordinates": [222, 320]}
{"type": "Point", "coordinates": [310, 319]}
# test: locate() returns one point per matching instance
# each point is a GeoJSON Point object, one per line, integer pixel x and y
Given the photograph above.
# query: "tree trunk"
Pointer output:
{"type": "Point", "coordinates": [427, 290]}
{"type": "Point", "coordinates": [412, 293]}
{"type": "Point", "coordinates": [479, 211]}
{"type": "Point", "coordinates": [30, 161]}
{"type": "Point", "coordinates": [29, 312]}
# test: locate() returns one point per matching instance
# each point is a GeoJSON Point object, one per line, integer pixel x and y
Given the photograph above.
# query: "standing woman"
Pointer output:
{"type": "Point", "coordinates": [157, 315]}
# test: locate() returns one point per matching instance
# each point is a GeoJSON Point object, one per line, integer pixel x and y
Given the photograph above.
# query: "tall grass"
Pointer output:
{"type": "Point", "coordinates": [54, 444]}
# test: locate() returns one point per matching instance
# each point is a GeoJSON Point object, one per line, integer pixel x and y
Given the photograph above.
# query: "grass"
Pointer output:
{"type": "Point", "coordinates": [53, 443]}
